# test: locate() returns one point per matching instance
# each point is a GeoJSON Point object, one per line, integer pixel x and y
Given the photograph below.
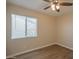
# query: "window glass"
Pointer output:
{"type": "Point", "coordinates": [23, 26]}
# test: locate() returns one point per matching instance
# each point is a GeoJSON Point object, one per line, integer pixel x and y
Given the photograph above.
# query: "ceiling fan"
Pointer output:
{"type": "Point", "coordinates": [55, 4]}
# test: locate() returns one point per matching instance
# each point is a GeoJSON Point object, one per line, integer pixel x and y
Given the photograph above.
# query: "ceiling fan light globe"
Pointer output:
{"type": "Point", "coordinates": [56, 1]}
{"type": "Point", "coordinates": [57, 7]}
{"type": "Point", "coordinates": [53, 7]}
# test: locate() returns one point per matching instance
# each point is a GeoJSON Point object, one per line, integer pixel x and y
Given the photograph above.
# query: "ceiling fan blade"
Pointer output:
{"type": "Point", "coordinates": [66, 4]}
{"type": "Point", "coordinates": [47, 7]}
{"type": "Point", "coordinates": [47, 0]}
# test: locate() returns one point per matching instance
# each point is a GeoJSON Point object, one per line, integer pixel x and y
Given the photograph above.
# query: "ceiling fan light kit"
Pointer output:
{"type": "Point", "coordinates": [55, 5]}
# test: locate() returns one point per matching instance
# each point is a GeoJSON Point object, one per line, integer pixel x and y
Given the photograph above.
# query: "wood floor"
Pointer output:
{"type": "Point", "coordinates": [51, 52]}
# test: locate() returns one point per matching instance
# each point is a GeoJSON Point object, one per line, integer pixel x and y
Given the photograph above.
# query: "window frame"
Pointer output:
{"type": "Point", "coordinates": [25, 27]}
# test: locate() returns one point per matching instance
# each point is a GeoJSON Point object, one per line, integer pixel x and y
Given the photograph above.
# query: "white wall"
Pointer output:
{"type": "Point", "coordinates": [51, 30]}
{"type": "Point", "coordinates": [46, 31]}
{"type": "Point", "coordinates": [64, 25]}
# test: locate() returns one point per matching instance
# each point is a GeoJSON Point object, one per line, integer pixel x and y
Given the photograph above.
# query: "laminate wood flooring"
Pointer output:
{"type": "Point", "coordinates": [51, 52]}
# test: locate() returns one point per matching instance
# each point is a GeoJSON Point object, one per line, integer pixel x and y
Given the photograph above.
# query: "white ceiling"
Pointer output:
{"type": "Point", "coordinates": [38, 5]}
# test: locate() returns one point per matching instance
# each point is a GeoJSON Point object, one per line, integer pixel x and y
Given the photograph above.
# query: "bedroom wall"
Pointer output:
{"type": "Point", "coordinates": [46, 30]}
{"type": "Point", "coordinates": [64, 26]}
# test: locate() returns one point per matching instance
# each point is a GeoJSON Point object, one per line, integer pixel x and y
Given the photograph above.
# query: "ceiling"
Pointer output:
{"type": "Point", "coordinates": [38, 5]}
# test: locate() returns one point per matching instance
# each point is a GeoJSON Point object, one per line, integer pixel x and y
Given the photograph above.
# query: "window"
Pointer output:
{"type": "Point", "coordinates": [23, 26]}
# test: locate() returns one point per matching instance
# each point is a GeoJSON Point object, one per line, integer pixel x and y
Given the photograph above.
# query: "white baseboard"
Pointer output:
{"type": "Point", "coordinates": [65, 46]}
{"type": "Point", "coordinates": [19, 53]}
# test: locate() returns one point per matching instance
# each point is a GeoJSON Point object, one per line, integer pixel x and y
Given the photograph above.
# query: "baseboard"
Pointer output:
{"type": "Point", "coordinates": [64, 46]}
{"type": "Point", "coordinates": [19, 53]}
